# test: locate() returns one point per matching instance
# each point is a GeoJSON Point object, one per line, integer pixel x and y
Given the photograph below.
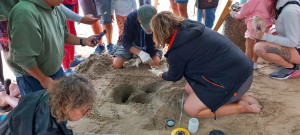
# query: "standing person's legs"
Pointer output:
{"type": "Point", "coordinates": [200, 15]}
{"type": "Point", "coordinates": [106, 21]}
{"type": "Point", "coordinates": [174, 7]}
{"type": "Point", "coordinates": [89, 7]}
{"type": "Point", "coordinates": [249, 47]}
{"type": "Point", "coordinates": [155, 4]}
{"type": "Point", "coordinates": [120, 21]}
{"type": "Point", "coordinates": [143, 2]}
{"type": "Point", "coordinates": [210, 17]}
{"type": "Point", "coordinates": [182, 7]}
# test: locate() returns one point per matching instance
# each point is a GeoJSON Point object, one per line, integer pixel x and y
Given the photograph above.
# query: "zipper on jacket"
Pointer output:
{"type": "Point", "coordinates": [214, 83]}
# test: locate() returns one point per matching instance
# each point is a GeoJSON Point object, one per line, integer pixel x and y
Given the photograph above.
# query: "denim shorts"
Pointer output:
{"type": "Point", "coordinates": [102, 7]}
{"type": "Point", "coordinates": [96, 8]}
{"type": "Point", "coordinates": [28, 84]}
{"type": "Point", "coordinates": [121, 52]}
{"type": "Point", "coordinates": [181, 1]}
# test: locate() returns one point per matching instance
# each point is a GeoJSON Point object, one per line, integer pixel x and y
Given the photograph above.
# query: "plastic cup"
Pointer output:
{"type": "Point", "coordinates": [193, 125]}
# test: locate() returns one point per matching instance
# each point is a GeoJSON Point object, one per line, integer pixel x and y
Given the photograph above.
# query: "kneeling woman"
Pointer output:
{"type": "Point", "coordinates": [218, 73]}
{"type": "Point", "coordinates": [45, 112]}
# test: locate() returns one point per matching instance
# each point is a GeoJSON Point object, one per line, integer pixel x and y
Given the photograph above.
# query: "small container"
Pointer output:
{"type": "Point", "coordinates": [193, 125]}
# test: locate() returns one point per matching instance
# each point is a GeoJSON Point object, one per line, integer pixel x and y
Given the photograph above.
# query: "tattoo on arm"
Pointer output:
{"type": "Point", "coordinates": [284, 52]}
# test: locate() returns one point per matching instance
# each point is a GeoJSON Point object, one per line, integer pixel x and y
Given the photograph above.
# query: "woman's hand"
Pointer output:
{"type": "Point", "coordinates": [112, 18]}
{"type": "Point", "coordinates": [258, 34]}
{"type": "Point", "coordinates": [89, 19]}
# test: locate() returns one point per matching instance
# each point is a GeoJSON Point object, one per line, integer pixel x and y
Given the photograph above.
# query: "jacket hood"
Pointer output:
{"type": "Point", "coordinates": [189, 31]}
{"type": "Point", "coordinates": [281, 3]}
{"type": "Point", "coordinates": [40, 3]}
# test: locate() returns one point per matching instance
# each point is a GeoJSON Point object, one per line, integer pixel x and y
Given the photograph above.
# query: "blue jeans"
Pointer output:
{"type": "Point", "coordinates": [28, 84]}
{"type": "Point", "coordinates": [209, 17]}
{"type": "Point", "coordinates": [143, 2]}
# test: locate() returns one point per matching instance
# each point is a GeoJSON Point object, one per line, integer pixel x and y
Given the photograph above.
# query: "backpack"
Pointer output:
{"type": "Point", "coordinates": [290, 2]}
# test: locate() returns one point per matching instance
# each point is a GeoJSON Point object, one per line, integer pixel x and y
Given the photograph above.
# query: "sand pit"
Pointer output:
{"type": "Point", "coordinates": [132, 101]}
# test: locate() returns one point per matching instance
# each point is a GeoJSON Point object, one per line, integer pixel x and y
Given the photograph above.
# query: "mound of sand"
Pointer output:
{"type": "Point", "coordinates": [132, 101]}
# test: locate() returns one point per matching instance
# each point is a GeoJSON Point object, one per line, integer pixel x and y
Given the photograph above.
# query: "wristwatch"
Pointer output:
{"type": "Point", "coordinates": [81, 42]}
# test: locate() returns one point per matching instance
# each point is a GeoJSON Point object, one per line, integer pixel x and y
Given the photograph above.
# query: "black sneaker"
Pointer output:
{"type": "Point", "coordinates": [283, 73]}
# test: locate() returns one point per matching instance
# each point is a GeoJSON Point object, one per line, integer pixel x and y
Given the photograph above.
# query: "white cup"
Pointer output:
{"type": "Point", "coordinates": [193, 125]}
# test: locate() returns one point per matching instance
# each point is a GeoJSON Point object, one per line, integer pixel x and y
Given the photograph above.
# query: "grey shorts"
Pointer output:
{"type": "Point", "coordinates": [120, 51]}
{"type": "Point", "coordinates": [96, 8]}
{"type": "Point", "coordinates": [242, 90]}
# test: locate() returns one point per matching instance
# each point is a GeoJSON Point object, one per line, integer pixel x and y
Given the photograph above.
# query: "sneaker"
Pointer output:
{"type": "Point", "coordinates": [70, 72]}
{"type": "Point", "coordinates": [283, 73]}
{"type": "Point", "coordinates": [99, 49]}
{"type": "Point", "coordinates": [110, 48]}
{"type": "Point", "coordinates": [255, 66]}
{"type": "Point", "coordinates": [76, 62]}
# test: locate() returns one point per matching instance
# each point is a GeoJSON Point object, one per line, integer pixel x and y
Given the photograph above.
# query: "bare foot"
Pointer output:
{"type": "Point", "coordinates": [2, 99]}
{"type": "Point", "coordinates": [14, 90]}
{"type": "Point", "coordinates": [249, 99]}
{"type": "Point", "coordinates": [254, 108]}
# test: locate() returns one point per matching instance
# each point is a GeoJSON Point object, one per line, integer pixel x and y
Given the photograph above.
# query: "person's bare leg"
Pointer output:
{"type": "Point", "coordinates": [97, 29]}
{"type": "Point", "coordinates": [118, 62]}
{"type": "Point", "coordinates": [5, 58]}
{"type": "Point", "coordinates": [156, 61]}
{"type": "Point", "coordinates": [188, 88]}
{"type": "Point", "coordinates": [155, 4]}
{"type": "Point", "coordinates": [183, 10]}
{"type": "Point", "coordinates": [195, 108]}
{"type": "Point", "coordinates": [249, 47]}
{"type": "Point", "coordinates": [8, 100]}
{"type": "Point", "coordinates": [283, 56]}
{"type": "Point", "coordinates": [14, 90]}
{"type": "Point", "coordinates": [109, 29]}
{"type": "Point", "coordinates": [174, 7]}
{"type": "Point", "coordinates": [203, 17]}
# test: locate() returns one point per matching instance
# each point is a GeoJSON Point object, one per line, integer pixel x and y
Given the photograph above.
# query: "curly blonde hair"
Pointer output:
{"type": "Point", "coordinates": [68, 93]}
{"type": "Point", "coordinates": [163, 25]}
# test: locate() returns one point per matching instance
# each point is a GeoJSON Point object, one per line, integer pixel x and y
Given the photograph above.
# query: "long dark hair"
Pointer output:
{"type": "Point", "coordinates": [274, 10]}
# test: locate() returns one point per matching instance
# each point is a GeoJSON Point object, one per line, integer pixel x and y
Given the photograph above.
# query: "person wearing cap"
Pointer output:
{"type": "Point", "coordinates": [137, 39]}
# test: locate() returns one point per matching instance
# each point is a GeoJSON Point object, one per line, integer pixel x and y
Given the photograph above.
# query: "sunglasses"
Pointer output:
{"type": "Point", "coordinates": [87, 111]}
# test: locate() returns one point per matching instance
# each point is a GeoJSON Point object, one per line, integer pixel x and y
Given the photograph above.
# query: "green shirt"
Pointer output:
{"type": "Point", "coordinates": [5, 8]}
{"type": "Point", "coordinates": [37, 34]}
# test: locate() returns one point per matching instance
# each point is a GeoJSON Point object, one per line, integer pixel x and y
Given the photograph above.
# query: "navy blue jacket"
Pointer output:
{"type": "Point", "coordinates": [133, 33]}
{"type": "Point", "coordinates": [32, 116]}
{"type": "Point", "coordinates": [213, 65]}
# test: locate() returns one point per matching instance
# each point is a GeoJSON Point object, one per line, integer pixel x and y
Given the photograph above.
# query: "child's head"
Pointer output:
{"type": "Point", "coordinates": [71, 97]}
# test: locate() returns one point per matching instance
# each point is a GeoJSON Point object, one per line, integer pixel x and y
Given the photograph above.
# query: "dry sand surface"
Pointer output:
{"type": "Point", "coordinates": [132, 101]}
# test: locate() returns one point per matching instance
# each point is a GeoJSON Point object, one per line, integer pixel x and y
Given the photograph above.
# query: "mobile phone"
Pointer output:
{"type": "Point", "coordinates": [99, 37]}
{"type": "Point", "coordinates": [102, 14]}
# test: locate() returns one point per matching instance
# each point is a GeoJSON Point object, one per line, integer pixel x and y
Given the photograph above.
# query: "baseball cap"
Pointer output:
{"type": "Point", "coordinates": [145, 14]}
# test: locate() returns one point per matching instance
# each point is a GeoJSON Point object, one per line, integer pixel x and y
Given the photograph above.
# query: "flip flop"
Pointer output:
{"type": "Point", "coordinates": [7, 83]}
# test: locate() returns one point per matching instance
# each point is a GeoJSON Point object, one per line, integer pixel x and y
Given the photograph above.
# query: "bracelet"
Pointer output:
{"type": "Point", "coordinates": [81, 42]}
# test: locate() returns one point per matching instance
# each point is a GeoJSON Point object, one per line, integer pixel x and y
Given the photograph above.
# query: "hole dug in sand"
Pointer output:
{"type": "Point", "coordinates": [142, 98]}
{"type": "Point", "coordinates": [122, 93]}
{"type": "Point", "coordinates": [152, 87]}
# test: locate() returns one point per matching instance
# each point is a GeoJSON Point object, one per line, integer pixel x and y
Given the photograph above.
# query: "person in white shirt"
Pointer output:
{"type": "Point", "coordinates": [282, 48]}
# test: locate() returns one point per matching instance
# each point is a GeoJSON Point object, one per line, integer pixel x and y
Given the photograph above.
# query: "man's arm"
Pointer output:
{"type": "Point", "coordinates": [74, 40]}
{"type": "Point", "coordinates": [40, 76]}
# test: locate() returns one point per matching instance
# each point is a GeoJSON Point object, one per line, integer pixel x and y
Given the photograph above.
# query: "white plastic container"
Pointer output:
{"type": "Point", "coordinates": [193, 125]}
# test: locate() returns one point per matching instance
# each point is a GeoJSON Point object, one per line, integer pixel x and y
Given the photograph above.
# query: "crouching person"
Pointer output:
{"type": "Point", "coordinates": [46, 111]}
